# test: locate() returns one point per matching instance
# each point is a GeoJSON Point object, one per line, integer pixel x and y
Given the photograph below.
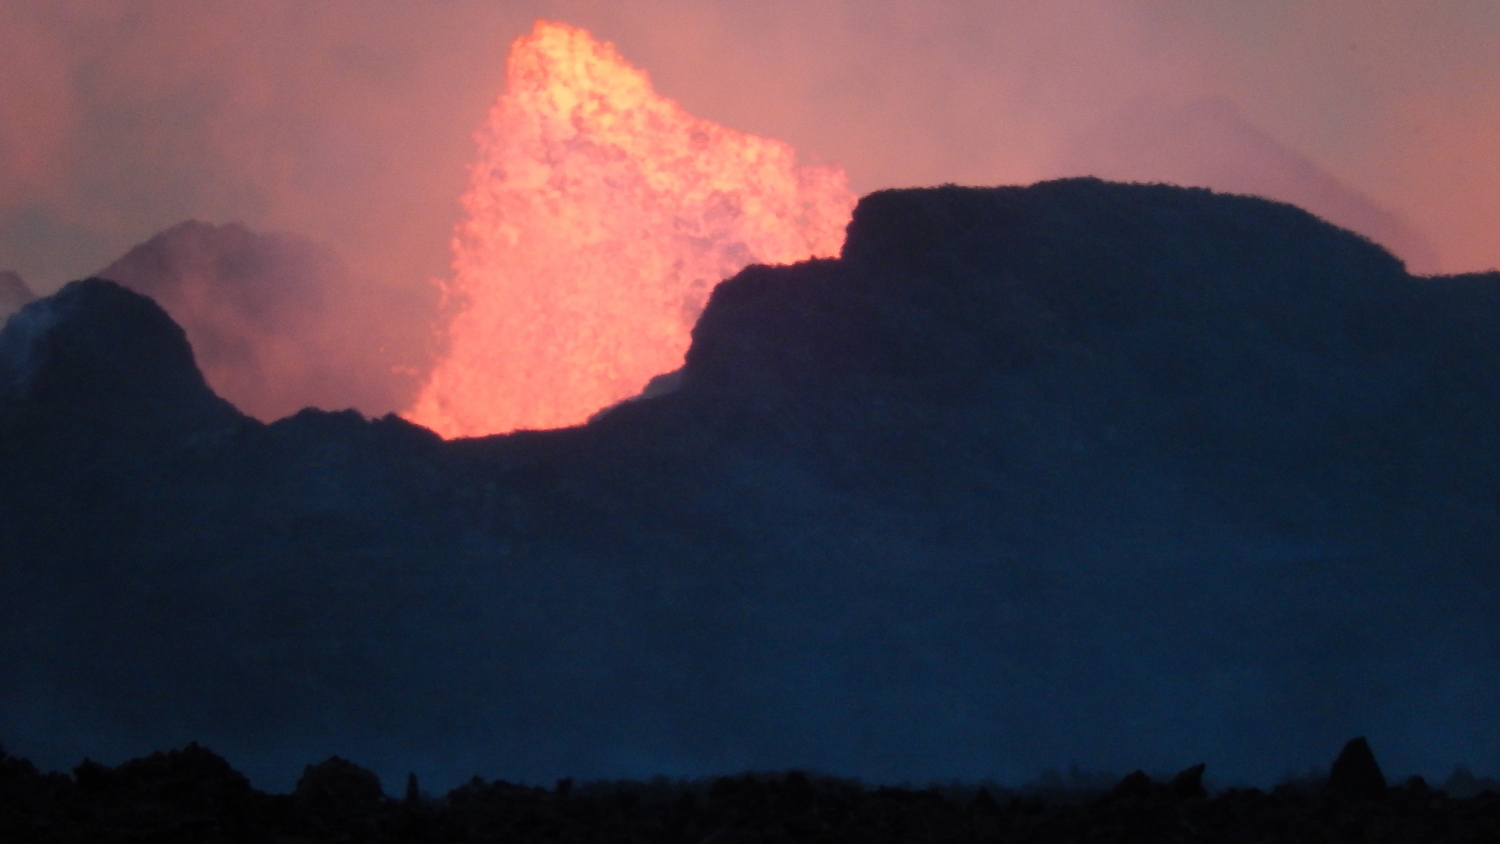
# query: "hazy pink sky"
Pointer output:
{"type": "Point", "coordinates": [351, 122]}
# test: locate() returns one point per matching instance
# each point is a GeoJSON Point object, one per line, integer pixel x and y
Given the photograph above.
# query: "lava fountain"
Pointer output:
{"type": "Point", "coordinates": [598, 218]}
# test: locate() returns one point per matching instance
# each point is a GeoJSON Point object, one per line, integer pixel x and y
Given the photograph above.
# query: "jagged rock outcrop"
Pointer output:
{"type": "Point", "coordinates": [1355, 775]}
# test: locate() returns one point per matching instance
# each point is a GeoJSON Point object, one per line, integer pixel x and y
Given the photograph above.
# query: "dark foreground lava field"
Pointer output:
{"type": "Point", "coordinates": [194, 795]}
{"type": "Point", "coordinates": [1122, 476]}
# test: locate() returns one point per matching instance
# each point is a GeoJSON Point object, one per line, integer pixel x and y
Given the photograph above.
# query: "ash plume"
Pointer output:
{"type": "Point", "coordinates": [279, 323]}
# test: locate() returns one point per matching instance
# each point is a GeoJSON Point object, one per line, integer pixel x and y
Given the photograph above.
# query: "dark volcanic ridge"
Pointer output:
{"type": "Point", "coordinates": [1123, 474]}
{"type": "Point", "coordinates": [192, 794]}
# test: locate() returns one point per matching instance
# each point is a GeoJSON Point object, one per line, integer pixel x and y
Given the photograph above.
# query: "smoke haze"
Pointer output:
{"type": "Point", "coordinates": [13, 293]}
{"type": "Point", "coordinates": [278, 323]}
{"type": "Point", "coordinates": [351, 125]}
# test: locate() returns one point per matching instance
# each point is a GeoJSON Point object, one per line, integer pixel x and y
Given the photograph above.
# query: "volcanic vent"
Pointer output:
{"type": "Point", "coordinates": [599, 216]}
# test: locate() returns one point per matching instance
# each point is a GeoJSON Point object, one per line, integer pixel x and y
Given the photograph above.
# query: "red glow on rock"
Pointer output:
{"type": "Point", "coordinates": [599, 217]}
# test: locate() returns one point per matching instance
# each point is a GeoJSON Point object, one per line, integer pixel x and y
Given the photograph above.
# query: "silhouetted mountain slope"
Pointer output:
{"type": "Point", "coordinates": [98, 353]}
{"type": "Point", "coordinates": [100, 408]}
{"type": "Point", "coordinates": [1127, 475]}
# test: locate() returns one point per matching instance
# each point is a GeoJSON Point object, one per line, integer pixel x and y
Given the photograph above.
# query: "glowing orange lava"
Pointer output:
{"type": "Point", "coordinates": [599, 217]}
